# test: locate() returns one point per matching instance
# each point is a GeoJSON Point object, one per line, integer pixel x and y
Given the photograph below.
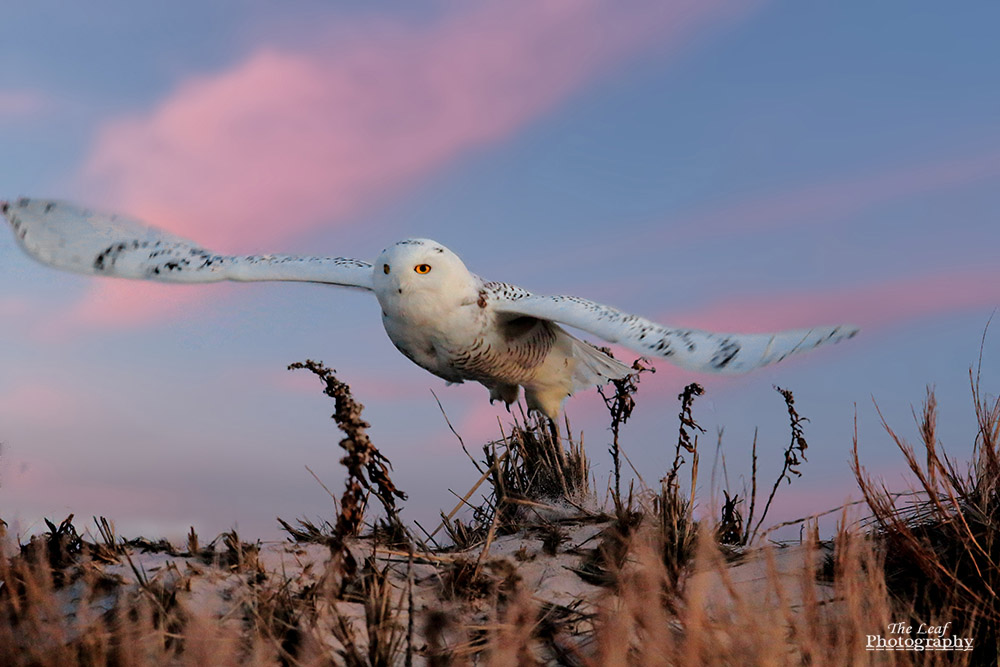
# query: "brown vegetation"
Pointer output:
{"type": "Point", "coordinates": [538, 574]}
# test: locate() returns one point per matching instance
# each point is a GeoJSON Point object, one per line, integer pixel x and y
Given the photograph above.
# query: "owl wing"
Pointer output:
{"type": "Point", "coordinates": [72, 238]}
{"type": "Point", "coordinates": [688, 348]}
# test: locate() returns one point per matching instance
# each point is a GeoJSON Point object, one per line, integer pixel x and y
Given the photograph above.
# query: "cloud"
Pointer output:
{"type": "Point", "coordinates": [370, 387]}
{"type": "Point", "coordinates": [287, 140]}
{"type": "Point", "coordinates": [815, 204]}
{"type": "Point", "coordinates": [121, 303]}
{"type": "Point", "coordinates": [16, 104]}
{"type": "Point", "coordinates": [873, 305]}
{"type": "Point", "coordinates": [480, 421]}
{"type": "Point", "coordinates": [839, 198]}
{"type": "Point", "coordinates": [12, 308]}
{"type": "Point", "coordinates": [34, 399]}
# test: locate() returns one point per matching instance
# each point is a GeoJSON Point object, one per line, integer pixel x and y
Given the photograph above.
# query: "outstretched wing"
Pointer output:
{"type": "Point", "coordinates": [76, 239]}
{"type": "Point", "coordinates": [689, 348]}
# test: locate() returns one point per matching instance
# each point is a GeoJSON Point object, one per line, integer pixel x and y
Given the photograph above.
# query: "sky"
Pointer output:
{"type": "Point", "coordinates": [730, 165]}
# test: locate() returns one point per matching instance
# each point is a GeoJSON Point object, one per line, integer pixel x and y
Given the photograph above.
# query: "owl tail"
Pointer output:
{"type": "Point", "coordinates": [593, 367]}
{"type": "Point", "coordinates": [570, 366]}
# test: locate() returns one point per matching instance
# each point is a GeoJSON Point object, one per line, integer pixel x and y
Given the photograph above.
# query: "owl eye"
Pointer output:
{"type": "Point", "coordinates": [385, 268]}
{"type": "Point", "coordinates": [422, 268]}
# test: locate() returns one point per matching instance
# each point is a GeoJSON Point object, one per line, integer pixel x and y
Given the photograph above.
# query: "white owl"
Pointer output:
{"type": "Point", "coordinates": [442, 317]}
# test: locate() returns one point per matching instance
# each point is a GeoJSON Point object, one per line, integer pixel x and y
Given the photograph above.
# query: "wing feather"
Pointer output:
{"type": "Point", "coordinates": [76, 239]}
{"type": "Point", "coordinates": [692, 349]}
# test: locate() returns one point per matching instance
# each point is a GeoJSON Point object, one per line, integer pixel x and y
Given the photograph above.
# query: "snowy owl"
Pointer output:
{"type": "Point", "coordinates": [444, 318]}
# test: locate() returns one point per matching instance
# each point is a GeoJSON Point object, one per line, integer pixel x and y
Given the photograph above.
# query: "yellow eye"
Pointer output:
{"type": "Point", "coordinates": [422, 268]}
{"type": "Point", "coordinates": [385, 268]}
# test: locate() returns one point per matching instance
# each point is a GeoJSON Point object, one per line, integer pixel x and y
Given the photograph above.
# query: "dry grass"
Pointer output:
{"type": "Point", "coordinates": [941, 548]}
{"type": "Point", "coordinates": [533, 577]}
{"type": "Point", "coordinates": [620, 406]}
{"type": "Point", "coordinates": [530, 471]}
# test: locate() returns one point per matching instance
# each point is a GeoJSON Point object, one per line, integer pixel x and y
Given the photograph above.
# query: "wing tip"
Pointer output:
{"type": "Point", "coordinates": [847, 331]}
{"type": "Point", "coordinates": [831, 331]}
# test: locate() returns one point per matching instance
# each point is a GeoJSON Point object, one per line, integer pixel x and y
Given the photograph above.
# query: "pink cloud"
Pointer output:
{"type": "Point", "coordinates": [870, 306]}
{"type": "Point", "coordinates": [40, 487]}
{"type": "Point", "coordinates": [364, 388]}
{"type": "Point", "coordinates": [480, 421]}
{"type": "Point", "coordinates": [13, 307]}
{"type": "Point", "coordinates": [20, 103]}
{"type": "Point", "coordinates": [840, 198]}
{"type": "Point", "coordinates": [35, 399]}
{"type": "Point", "coordinates": [815, 204]}
{"type": "Point", "coordinates": [286, 140]}
{"type": "Point", "coordinates": [117, 303]}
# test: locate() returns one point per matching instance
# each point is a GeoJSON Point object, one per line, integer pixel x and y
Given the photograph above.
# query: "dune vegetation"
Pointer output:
{"type": "Point", "coordinates": [531, 568]}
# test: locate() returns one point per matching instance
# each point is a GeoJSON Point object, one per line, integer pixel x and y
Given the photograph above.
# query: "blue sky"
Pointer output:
{"type": "Point", "coordinates": [724, 165]}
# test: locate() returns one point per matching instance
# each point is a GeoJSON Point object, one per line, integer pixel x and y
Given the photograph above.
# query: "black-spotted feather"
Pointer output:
{"type": "Point", "coordinates": [77, 239]}
{"type": "Point", "coordinates": [444, 318]}
{"type": "Point", "coordinates": [689, 348]}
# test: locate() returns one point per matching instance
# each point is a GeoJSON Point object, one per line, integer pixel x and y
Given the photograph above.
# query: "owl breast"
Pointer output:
{"type": "Point", "coordinates": [508, 352]}
{"type": "Point", "coordinates": [472, 344]}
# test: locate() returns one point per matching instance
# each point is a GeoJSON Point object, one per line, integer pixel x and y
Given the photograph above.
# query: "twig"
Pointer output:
{"type": "Point", "coordinates": [796, 448]}
{"type": "Point", "coordinates": [460, 441]}
{"type": "Point", "coordinates": [336, 502]}
{"type": "Point", "coordinates": [686, 398]}
{"type": "Point", "coordinates": [621, 406]}
{"type": "Point", "coordinates": [486, 547]}
{"type": "Point", "coordinates": [465, 498]}
{"type": "Point", "coordinates": [367, 468]}
{"type": "Point", "coordinates": [753, 492]}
